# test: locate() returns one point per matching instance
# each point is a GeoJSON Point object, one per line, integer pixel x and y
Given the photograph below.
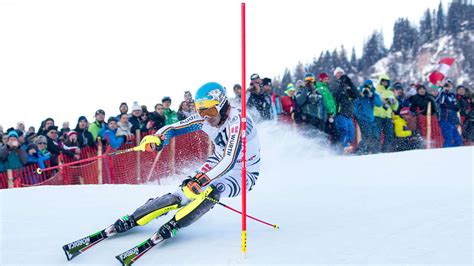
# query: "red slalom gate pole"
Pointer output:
{"type": "Point", "coordinates": [243, 122]}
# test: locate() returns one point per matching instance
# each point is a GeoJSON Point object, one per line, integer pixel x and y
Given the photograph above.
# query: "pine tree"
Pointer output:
{"type": "Point", "coordinates": [299, 71]}
{"type": "Point", "coordinates": [426, 27]}
{"type": "Point", "coordinates": [353, 58]}
{"type": "Point", "coordinates": [455, 16]}
{"type": "Point", "coordinates": [440, 21]}
{"type": "Point", "coordinates": [343, 60]}
{"type": "Point", "coordinates": [286, 78]}
{"type": "Point", "coordinates": [373, 50]}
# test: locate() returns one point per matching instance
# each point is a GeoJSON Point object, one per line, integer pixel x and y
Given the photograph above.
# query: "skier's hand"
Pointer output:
{"type": "Point", "coordinates": [155, 146]}
{"type": "Point", "coordinates": [192, 186]}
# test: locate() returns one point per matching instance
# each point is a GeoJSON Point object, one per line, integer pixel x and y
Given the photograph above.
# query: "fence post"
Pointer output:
{"type": "Point", "coordinates": [10, 178]}
{"type": "Point", "coordinates": [99, 161]}
{"type": "Point", "coordinates": [138, 138]}
{"type": "Point", "coordinates": [428, 126]}
{"type": "Point", "coordinates": [172, 159]}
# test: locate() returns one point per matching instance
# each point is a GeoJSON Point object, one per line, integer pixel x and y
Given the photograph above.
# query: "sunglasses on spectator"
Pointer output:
{"type": "Point", "coordinates": [41, 143]}
{"type": "Point", "coordinates": [208, 112]}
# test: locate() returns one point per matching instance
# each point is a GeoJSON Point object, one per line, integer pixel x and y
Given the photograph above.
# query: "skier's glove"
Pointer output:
{"type": "Point", "coordinates": [155, 146]}
{"type": "Point", "coordinates": [192, 186]}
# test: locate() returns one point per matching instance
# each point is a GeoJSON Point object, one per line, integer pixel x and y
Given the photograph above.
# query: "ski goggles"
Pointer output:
{"type": "Point", "coordinates": [208, 112]}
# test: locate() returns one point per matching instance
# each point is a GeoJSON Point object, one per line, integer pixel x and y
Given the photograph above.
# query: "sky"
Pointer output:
{"type": "Point", "coordinates": [64, 59]}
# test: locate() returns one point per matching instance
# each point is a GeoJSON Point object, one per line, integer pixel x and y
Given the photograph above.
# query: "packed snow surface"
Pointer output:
{"type": "Point", "coordinates": [399, 208]}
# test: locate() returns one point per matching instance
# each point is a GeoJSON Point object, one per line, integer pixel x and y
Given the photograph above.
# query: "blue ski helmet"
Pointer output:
{"type": "Point", "coordinates": [210, 95]}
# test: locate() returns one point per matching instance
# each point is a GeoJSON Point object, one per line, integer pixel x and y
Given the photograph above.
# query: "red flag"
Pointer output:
{"type": "Point", "coordinates": [441, 70]}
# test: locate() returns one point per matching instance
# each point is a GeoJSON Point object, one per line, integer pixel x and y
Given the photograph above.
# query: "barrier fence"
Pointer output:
{"type": "Point", "coordinates": [182, 153]}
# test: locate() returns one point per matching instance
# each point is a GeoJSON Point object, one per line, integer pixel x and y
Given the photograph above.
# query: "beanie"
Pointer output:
{"type": "Point", "coordinates": [136, 107]}
{"type": "Point", "coordinates": [339, 69]}
{"type": "Point", "coordinates": [323, 76]}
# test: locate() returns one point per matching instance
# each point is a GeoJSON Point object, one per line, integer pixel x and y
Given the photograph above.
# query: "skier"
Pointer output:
{"type": "Point", "coordinates": [218, 176]}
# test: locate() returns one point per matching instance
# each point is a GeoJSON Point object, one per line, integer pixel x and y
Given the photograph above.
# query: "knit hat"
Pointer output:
{"type": "Point", "coordinates": [51, 128]}
{"type": "Point", "coordinates": [112, 118]}
{"type": "Point", "coordinates": [166, 98]}
{"type": "Point", "coordinates": [266, 81]}
{"type": "Point", "coordinates": [81, 118]}
{"type": "Point", "coordinates": [32, 146]}
{"type": "Point", "coordinates": [323, 76]}
{"type": "Point", "coordinates": [368, 83]}
{"type": "Point", "coordinates": [237, 86]}
{"type": "Point", "coordinates": [136, 107]}
{"type": "Point", "coordinates": [289, 88]}
{"type": "Point", "coordinates": [397, 86]}
{"type": "Point", "coordinates": [70, 133]}
{"type": "Point", "coordinates": [13, 133]}
{"type": "Point", "coordinates": [40, 139]}
{"type": "Point", "coordinates": [100, 111]}
{"type": "Point", "coordinates": [254, 76]}
{"type": "Point", "coordinates": [339, 69]}
{"type": "Point", "coordinates": [299, 83]}
{"type": "Point", "coordinates": [309, 77]}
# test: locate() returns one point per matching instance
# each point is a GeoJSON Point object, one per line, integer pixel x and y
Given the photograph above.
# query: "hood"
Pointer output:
{"type": "Point", "coordinates": [386, 77]}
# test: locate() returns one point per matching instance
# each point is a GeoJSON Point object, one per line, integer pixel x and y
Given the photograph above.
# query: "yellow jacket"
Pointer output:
{"type": "Point", "coordinates": [385, 94]}
{"type": "Point", "coordinates": [399, 127]}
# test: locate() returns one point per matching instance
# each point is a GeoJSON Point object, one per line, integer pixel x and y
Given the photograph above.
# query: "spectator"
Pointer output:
{"type": "Point", "coordinates": [464, 99]}
{"type": "Point", "coordinates": [36, 156]}
{"type": "Point", "coordinates": [53, 145]}
{"type": "Point", "coordinates": [400, 96]}
{"type": "Point", "coordinates": [184, 110]}
{"type": "Point", "coordinates": [124, 127]}
{"type": "Point", "coordinates": [273, 97]}
{"type": "Point", "coordinates": [258, 102]}
{"type": "Point", "coordinates": [364, 114]}
{"type": "Point", "coordinates": [84, 137]}
{"type": "Point", "coordinates": [448, 118]}
{"type": "Point", "coordinates": [123, 108]}
{"type": "Point", "coordinates": [419, 102]}
{"type": "Point", "coordinates": [171, 116]}
{"type": "Point", "coordinates": [20, 126]}
{"type": "Point", "coordinates": [71, 144]}
{"type": "Point", "coordinates": [188, 97]}
{"type": "Point", "coordinates": [404, 128]}
{"type": "Point", "coordinates": [12, 156]}
{"type": "Point", "coordinates": [44, 125]}
{"type": "Point", "coordinates": [4, 139]}
{"type": "Point", "coordinates": [468, 128]}
{"type": "Point", "coordinates": [1, 130]}
{"type": "Point", "coordinates": [288, 101]}
{"type": "Point", "coordinates": [145, 119]}
{"type": "Point", "coordinates": [344, 96]}
{"type": "Point", "coordinates": [383, 114]}
{"type": "Point", "coordinates": [64, 130]}
{"type": "Point", "coordinates": [322, 87]}
{"type": "Point", "coordinates": [136, 119]}
{"type": "Point", "coordinates": [310, 102]}
{"type": "Point", "coordinates": [111, 137]}
{"type": "Point", "coordinates": [157, 117]}
{"type": "Point", "coordinates": [99, 125]}
{"type": "Point", "coordinates": [237, 101]}
{"type": "Point", "coordinates": [42, 154]}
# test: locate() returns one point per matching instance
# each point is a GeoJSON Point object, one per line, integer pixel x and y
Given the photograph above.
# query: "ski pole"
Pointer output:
{"type": "Point", "coordinates": [237, 211]}
{"type": "Point", "coordinates": [142, 147]}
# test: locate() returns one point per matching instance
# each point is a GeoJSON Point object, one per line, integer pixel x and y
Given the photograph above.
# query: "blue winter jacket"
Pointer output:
{"type": "Point", "coordinates": [39, 158]}
{"type": "Point", "coordinates": [448, 107]}
{"type": "Point", "coordinates": [114, 141]}
{"type": "Point", "coordinates": [364, 107]}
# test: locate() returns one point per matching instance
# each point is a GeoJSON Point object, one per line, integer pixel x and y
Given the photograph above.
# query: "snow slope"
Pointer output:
{"type": "Point", "coordinates": [400, 208]}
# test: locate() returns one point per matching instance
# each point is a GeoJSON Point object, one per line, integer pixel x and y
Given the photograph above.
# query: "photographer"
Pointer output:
{"type": "Point", "coordinates": [344, 95]}
{"type": "Point", "coordinates": [383, 115]}
{"type": "Point", "coordinates": [310, 103]}
{"type": "Point", "coordinates": [11, 154]}
{"type": "Point", "coordinates": [259, 101]}
{"type": "Point", "coordinates": [448, 118]}
{"type": "Point", "coordinates": [364, 114]}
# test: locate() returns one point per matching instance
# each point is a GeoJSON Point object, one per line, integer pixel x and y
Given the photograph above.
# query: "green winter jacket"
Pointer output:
{"type": "Point", "coordinates": [96, 129]}
{"type": "Point", "coordinates": [171, 116]}
{"type": "Point", "coordinates": [328, 99]}
{"type": "Point", "coordinates": [385, 111]}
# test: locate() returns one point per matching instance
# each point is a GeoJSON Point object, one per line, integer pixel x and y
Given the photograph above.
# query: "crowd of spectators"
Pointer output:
{"type": "Point", "coordinates": [385, 113]}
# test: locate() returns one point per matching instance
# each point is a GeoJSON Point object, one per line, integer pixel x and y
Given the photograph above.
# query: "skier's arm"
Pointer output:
{"type": "Point", "coordinates": [191, 124]}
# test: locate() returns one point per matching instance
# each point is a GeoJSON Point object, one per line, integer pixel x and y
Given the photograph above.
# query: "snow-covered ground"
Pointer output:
{"type": "Point", "coordinates": [399, 208]}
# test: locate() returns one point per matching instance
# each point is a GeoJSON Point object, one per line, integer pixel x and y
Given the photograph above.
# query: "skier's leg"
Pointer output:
{"type": "Point", "coordinates": [152, 209]}
{"type": "Point", "coordinates": [187, 215]}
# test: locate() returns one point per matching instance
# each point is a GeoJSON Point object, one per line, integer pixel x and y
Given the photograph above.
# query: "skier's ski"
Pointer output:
{"type": "Point", "coordinates": [79, 246]}
{"type": "Point", "coordinates": [130, 256]}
